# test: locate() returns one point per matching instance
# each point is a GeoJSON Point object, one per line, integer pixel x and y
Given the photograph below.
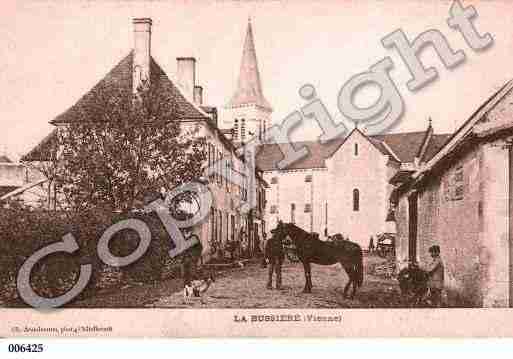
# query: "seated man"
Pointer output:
{"type": "Point", "coordinates": [435, 271]}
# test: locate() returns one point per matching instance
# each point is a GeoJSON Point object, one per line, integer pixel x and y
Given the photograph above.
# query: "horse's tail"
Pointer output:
{"type": "Point", "coordinates": [359, 269]}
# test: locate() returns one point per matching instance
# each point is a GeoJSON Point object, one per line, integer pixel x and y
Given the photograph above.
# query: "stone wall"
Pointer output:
{"type": "Point", "coordinates": [469, 224]}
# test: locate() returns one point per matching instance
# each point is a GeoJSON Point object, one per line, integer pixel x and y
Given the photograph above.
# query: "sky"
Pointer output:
{"type": "Point", "coordinates": [53, 52]}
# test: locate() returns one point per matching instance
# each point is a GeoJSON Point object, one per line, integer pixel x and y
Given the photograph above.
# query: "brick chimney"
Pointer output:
{"type": "Point", "coordinates": [142, 50]}
{"type": "Point", "coordinates": [198, 95]}
{"type": "Point", "coordinates": [186, 75]}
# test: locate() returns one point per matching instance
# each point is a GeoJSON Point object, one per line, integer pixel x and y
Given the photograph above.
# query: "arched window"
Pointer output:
{"type": "Point", "coordinates": [356, 200]}
{"type": "Point", "coordinates": [356, 149]}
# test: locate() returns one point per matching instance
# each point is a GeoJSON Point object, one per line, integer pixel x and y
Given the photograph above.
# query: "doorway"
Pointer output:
{"type": "Point", "coordinates": [412, 227]}
{"type": "Point", "coordinates": [510, 224]}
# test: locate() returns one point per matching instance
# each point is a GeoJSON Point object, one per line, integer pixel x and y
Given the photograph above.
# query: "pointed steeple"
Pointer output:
{"type": "Point", "coordinates": [249, 87]}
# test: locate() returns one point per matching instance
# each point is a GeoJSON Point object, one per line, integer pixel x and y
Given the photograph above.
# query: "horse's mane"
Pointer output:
{"type": "Point", "coordinates": [305, 234]}
{"type": "Point", "coordinates": [293, 226]}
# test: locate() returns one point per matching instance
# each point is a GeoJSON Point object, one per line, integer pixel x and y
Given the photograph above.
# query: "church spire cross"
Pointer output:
{"type": "Point", "coordinates": [249, 87]}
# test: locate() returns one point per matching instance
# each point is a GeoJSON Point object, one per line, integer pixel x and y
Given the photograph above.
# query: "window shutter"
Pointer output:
{"type": "Point", "coordinates": [356, 200]}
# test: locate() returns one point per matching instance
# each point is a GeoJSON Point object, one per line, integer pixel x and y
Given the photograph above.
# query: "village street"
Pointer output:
{"type": "Point", "coordinates": [246, 288]}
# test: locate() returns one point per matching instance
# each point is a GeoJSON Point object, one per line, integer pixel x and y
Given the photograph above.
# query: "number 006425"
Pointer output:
{"type": "Point", "coordinates": [25, 348]}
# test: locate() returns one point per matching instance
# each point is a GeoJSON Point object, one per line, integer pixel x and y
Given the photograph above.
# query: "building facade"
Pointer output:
{"type": "Point", "coordinates": [462, 201]}
{"type": "Point", "coordinates": [225, 221]}
{"type": "Point", "coordinates": [343, 186]}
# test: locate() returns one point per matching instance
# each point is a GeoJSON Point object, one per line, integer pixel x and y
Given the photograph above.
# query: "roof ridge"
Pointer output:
{"type": "Point", "coordinates": [481, 111]}
{"type": "Point", "coordinates": [398, 133]}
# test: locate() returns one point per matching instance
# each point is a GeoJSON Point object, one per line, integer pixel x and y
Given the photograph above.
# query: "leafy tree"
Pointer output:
{"type": "Point", "coordinates": [123, 148]}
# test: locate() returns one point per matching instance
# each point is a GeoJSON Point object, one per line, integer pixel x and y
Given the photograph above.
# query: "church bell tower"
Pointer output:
{"type": "Point", "coordinates": [248, 113]}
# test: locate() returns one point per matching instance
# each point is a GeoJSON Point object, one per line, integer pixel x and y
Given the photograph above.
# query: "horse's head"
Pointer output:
{"type": "Point", "coordinates": [278, 228]}
{"type": "Point", "coordinates": [280, 231]}
{"type": "Point", "coordinates": [291, 230]}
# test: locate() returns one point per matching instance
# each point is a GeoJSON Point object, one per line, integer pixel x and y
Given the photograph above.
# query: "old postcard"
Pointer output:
{"type": "Point", "coordinates": [256, 168]}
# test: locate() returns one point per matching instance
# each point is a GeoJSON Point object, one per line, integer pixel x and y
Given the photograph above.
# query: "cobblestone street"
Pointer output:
{"type": "Point", "coordinates": [245, 288]}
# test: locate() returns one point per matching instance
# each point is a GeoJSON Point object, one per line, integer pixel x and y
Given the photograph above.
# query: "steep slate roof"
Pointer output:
{"type": "Point", "coordinates": [403, 145]}
{"type": "Point", "coordinates": [436, 143]}
{"type": "Point", "coordinates": [249, 88]}
{"type": "Point", "coordinates": [120, 78]}
{"type": "Point", "coordinates": [269, 155]}
{"type": "Point", "coordinates": [380, 145]}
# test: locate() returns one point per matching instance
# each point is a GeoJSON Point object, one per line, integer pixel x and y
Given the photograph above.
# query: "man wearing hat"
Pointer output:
{"type": "Point", "coordinates": [435, 271]}
{"type": "Point", "coordinates": [275, 254]}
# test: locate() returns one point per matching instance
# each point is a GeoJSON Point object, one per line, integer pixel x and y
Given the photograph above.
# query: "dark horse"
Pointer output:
{"type": "Point", "coordinates": [310, 249]}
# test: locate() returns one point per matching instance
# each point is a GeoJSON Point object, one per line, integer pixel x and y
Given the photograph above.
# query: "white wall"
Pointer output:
{"type": "Point", "coordinates": [495, 236]}
{"type": "Point", "coordinates": [252, 115]}
{"type": "Point", "coordinates": [292, 188]}
{"type": "Point", "coordinates": [368, 172]}
{"type": "Point", "coordinates": [334, 186]}
{"type": "Point", "coordinates": [12, 174]}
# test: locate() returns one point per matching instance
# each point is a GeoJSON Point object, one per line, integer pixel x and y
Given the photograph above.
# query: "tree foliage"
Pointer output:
{"type": "Point", "coordinates": [125, 148]}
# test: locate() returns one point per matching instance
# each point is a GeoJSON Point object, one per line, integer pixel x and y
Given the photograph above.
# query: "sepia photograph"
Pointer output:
{"type": "Point", "coordinates": [284, 161]}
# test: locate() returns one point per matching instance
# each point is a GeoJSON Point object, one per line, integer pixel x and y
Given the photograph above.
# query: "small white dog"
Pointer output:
{"type": "Point", "coordinates": [196, 289]}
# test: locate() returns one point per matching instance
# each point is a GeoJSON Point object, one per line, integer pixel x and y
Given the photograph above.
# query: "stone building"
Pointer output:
{"type": "Point", "coordinates": [12, 175]}
{"type": "Point", "coordinates": [343, 186]}
{"type": "Point", "coordinates": [16, 178]}
{"type": "Point", "coordinates": [461, 200]}
{"type": "Point", "coordinates": [225, 221]}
